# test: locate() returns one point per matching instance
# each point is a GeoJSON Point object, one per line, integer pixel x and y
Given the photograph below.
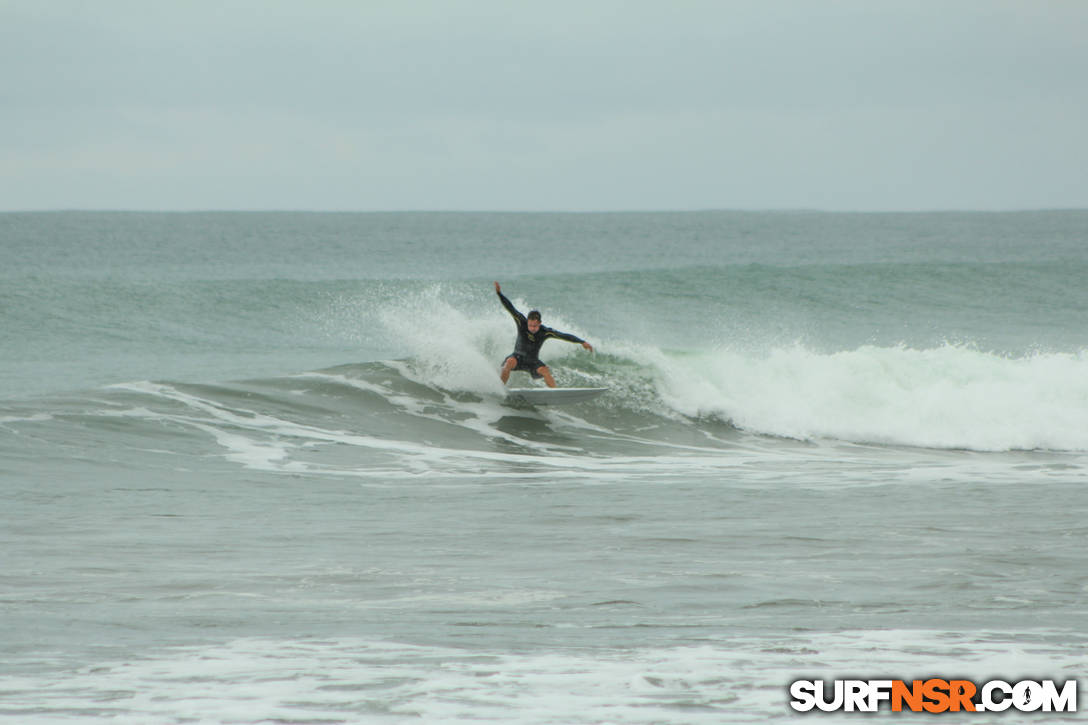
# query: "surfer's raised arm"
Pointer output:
{"type": "Point", "coordinates": [518, 317]}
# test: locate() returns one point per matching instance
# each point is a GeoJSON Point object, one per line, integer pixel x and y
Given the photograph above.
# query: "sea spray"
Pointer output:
{"type": "Point", "coordinates": [457, 338]}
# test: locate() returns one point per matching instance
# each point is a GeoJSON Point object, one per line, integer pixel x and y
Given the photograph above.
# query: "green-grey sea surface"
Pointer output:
{"type": "Point", "coordinates": [259, 467]}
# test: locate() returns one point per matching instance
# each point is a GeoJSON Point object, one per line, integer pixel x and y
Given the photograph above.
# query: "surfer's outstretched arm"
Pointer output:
{"type": "Point", "coordinates": [568, 337]}
{"type": "Point", "coordinates": [518, 317]}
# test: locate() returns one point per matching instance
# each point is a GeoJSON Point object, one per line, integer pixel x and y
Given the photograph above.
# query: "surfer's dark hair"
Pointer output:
{"type": "Point", "coordinates": [534, 315]}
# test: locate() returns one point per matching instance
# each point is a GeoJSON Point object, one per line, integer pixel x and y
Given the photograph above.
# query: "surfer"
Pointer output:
{"type": "Point", "coordinates": [531, 335]}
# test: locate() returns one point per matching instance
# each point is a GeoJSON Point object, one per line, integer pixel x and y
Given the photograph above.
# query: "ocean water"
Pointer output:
{"type": "Point", "coordinates": [260, 468]}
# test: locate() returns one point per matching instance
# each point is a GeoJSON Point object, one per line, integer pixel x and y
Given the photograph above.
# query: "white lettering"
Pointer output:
{"type": "Point", "coordinates": [804, 695]}
{"type": "Point", "coordinates": [821, 698]}
{"type": "Point", "coordinates": [989, 703]}
{"type": "Point", "coordinates": [856, 695]}
{"type": "Point", "coordinates": [880, 691]}
{"type": "Point", "coordinates": [1027, 696]}
{"type": "Point", "coordinates": [1064, 701]}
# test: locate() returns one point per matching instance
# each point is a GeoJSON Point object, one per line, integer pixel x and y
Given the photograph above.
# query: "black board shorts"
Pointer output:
{"type": "Point", "coordinates": [527, 365]}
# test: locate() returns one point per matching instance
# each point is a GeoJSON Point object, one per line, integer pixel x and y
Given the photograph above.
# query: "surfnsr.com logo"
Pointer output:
{"type": "Point", "coordinates": [933, 695]}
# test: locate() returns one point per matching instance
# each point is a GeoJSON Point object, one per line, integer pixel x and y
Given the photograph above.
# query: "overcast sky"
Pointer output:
{"type": "Point", "coordinates": [507, 105]}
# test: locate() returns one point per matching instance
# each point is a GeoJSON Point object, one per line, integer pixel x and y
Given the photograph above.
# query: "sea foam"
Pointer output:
{"type": "Point", "coordinates": [946, 397]}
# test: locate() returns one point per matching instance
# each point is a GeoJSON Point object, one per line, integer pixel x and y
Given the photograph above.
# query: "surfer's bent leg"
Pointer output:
{"type": "Point", "coordinates": [547, 374]}
{"type": "Point", "coordinates": [509, 364]}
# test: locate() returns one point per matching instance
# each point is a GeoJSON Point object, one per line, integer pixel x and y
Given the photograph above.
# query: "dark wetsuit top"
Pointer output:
{"type": "Point", "coordinates": [527, 347]}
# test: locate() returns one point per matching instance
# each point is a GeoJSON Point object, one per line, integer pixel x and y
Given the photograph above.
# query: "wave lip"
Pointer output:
{"type": "Point", "coordinates": [950, 397]}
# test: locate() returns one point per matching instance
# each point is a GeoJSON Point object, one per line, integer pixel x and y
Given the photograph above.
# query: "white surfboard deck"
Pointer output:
{"type": "Point", "coordinates": [553, 396]}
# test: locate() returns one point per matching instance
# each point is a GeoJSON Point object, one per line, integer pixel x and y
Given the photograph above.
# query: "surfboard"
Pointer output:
{"type": "Point", "coordinates": [553, 396]}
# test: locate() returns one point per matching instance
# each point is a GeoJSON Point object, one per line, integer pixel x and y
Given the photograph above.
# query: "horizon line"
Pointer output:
{"type": "Point", "coordinates": [706, 210]}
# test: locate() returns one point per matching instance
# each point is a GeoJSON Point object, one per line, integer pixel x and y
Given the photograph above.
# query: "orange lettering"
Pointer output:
{"type": "Point", "coordinates": [961, 692]}
{"type": "Point", "coordinates": [936, 691]}
{"type": "Point", "coordinates": [911, 695]}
